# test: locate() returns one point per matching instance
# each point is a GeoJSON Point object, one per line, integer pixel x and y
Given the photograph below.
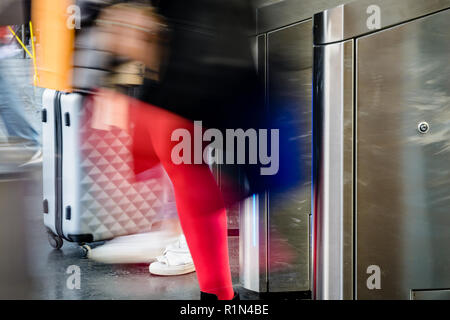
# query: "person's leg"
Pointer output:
{"type": "Point", "coordinates": [199, 203]}
{"type": "Point", "coordinates": [11, 111]}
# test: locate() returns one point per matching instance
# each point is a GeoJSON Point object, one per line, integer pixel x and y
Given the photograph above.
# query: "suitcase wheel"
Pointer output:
{"type": "Point", "coordinates": [55, 241]}
{"type": "Point", "coordinates": [85, 249]}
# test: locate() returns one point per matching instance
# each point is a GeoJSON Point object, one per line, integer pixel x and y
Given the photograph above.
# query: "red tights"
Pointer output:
{"type": "Point", "coordinates": [199, 201]}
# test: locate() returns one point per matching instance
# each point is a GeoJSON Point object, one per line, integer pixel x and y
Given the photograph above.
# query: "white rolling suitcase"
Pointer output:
{"type": "Point", "coordinates": [89, 191]}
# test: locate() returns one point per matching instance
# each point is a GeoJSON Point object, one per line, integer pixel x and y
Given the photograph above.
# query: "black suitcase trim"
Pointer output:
{"type": "Point", "coordinates": [59, 212]}
{"type": "Point", "coordinates": [81, 238]}
{"type": "Point", "coordinates": [58, 165]}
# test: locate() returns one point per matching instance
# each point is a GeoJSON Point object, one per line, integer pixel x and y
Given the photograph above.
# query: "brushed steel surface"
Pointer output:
{"type": "Point", "coordinates": [350, 20]}
{"type": "Point", "coordinates": [272, 16]}
{"type": "Point", "coordinates": [252, 244]}
{"type": "Point", "coordinates": [333, 171]}
{"type": "Point", "coordinates": [287, 77]}
{"type": "Point", "coordinates": [253, 215]}
{"type": "Point", "coordinates": [430, 294]}
{"type": "Point", "coordinates": [403, 176]}
{"type": "Point", "coordinates": [289, 83]}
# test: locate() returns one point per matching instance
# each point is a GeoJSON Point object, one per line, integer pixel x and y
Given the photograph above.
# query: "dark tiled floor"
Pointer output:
{"type": "Point", "coordinates": [98, 281]}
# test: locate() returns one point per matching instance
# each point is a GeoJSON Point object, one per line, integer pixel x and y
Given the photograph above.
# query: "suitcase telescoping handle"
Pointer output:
{"type": "Point", "coordinates": [67, 119]}
{"type": "Point", "coordinates": [44, 115]}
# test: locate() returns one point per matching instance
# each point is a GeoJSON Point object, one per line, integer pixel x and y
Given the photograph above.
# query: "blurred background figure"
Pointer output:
{"type": "Point", "coordinates": [198, 66]}
{"type": "Point", "coordinates": [18, 128]}
{"type": "Point", "coordinates": [93, 68]}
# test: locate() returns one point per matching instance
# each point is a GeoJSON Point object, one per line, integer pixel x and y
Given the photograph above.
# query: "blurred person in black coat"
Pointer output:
{"type": "Point", "coordinates": [207, 73]}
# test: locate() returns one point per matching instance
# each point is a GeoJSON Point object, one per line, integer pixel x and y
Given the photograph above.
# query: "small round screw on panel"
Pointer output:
{"type": "Point", "coordinates": [423, 127]}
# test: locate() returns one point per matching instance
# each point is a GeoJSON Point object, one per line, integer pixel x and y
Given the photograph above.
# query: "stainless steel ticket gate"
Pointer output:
{"type": "Point", "coordinates": [382, 150]}
{"type": "Point", "coordinates": [275, 229]}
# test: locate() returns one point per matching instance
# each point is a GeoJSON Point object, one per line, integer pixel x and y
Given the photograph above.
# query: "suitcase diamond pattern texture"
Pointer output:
{"type": "Point", "coordinates": [112, 202]}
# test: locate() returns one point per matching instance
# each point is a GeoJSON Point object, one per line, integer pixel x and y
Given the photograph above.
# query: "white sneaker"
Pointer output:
{"type": "Point", "coordinates": [176, 260]}
{"type": "Point", "coordinates": [136, 248]}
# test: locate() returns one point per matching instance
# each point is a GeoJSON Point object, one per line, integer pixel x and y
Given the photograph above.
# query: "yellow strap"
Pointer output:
{"type": "Point", "coordinates": [32, 56]}
{"type": "Point", "coordinates": [35, 78]}
{"type": "Point", "coordinates": [20, 41]}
